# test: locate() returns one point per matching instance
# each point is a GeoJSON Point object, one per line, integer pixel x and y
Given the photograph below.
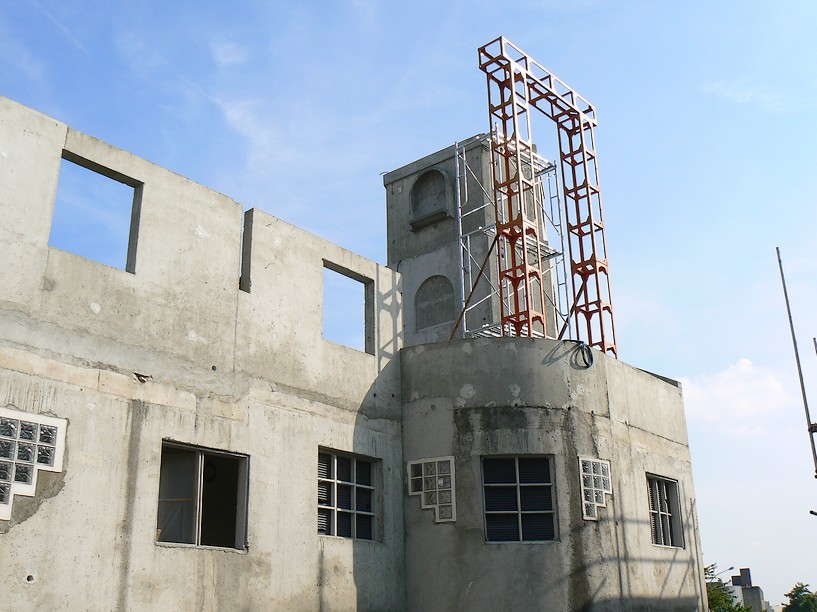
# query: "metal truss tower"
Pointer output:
{"type": "Point", "coordinates": [516, 85]}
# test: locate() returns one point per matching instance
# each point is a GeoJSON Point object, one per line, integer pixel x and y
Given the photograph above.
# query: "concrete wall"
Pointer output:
{"type": "Point", "coordinates": [175, 351]}
{"type": "Point", "coordinates": [212, 337]}
{"type": "Point", "coordinates": [513, 396]}
{"type": "Point", "coordinates": [427, 250]}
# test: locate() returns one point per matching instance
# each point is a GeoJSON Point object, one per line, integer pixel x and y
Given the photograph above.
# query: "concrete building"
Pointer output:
{"type": "Point", "coordinates": [177, 434]}
{"type": "Point", "coordinates": [748, 594]}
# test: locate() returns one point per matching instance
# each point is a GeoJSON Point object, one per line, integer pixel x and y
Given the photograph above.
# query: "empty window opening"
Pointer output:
{"type": "Point", "coordinates": [518, 496]}
{"type": "Point", "coordinates": [348, 315]}
{"type": "Point", "coordinates": [202, 497]}
{"type": "Point", "coordinates": [346, 496]}
{"type": "Point", "coordinates": [96, 213]}
{"type": "Point", "coordinates": [665, 513]}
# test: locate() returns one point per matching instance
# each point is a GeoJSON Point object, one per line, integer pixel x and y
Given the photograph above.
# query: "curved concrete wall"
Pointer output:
{"type": "Point", "coordinates": [517, 396]}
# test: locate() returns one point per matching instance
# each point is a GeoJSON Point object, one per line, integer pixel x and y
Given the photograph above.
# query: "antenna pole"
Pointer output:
{"type": "Point", "coordinates": [812, 427]}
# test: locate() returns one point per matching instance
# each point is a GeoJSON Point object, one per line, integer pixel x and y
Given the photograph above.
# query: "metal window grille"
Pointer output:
{"type": "Point", "coordinates": [518, 498]}
{"type": "Point", "coordinates": [665, 517]}
{"type": "Point", "coordinates": [346, 496]}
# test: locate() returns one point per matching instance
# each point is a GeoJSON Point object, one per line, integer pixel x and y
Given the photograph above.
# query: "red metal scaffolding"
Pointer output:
{"type": "Point", "coordinates": [517, 83]}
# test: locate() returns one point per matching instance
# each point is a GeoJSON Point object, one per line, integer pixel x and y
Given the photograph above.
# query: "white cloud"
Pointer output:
{"type": "Point", "coordinates": [227, 53]}
{"type": "Point", "coordinates": [266, 146]}
{"type": "Point", "coordinates": [738, 399]}
{"type": "Point", "coordinates": [143, 58]}
{"type": "Point", "coordinates": [66, 31]}
{"type": "Point", "coordinates": [743, 91]}
{"type": "Point", "coordinates": [15, 56]}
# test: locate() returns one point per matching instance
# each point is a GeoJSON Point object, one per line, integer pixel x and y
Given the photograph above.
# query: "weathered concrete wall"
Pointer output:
{"type": "Point", "coordinates": [175, 351]}
{"type": "Point", "coordinates": [213, 339]}
{"type": "Point", "coordinates": [514, 396]}
{"type": "Point", "coordinates": [419, 253]}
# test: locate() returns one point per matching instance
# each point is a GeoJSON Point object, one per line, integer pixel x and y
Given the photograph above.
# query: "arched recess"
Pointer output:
{"type": "Point", "coordinates": [430, 197]}
{"type": "Point", "coordinates": [434, 303]}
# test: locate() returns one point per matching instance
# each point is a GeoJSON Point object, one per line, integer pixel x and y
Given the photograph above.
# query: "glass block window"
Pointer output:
{"type": "Point", "coordinates": [433, 480]}
{"type": "Point", "coordinates": [346, 495]}
{"type": "Point", "coordinates": [518, 496]}
{"type": "Point", "coordinates": [665, 512]}
{"type": "Point", "coordinates": [595, 484]}
{"type": "Point", "coordinates": [28, 443]}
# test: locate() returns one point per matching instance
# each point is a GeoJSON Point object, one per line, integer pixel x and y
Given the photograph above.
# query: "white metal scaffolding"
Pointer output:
{"type": "Point", "coordinates": [479, 279]}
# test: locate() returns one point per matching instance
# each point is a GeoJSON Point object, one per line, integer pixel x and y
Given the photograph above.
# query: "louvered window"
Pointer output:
{"type": "Point", "coordinates": [346, 496]}
{"type": "Point", "coordinates": [665, 517]}
{"type": "Point", "coordinates": [518, 496]}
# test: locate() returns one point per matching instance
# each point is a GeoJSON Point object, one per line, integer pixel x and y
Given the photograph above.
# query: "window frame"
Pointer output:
{"type": "Point", "coordinates": [331, 508]}
{"type": "Point", "coordinates": [242, 495]}
{"type": "Point", "coordinates": [135, 207]}
{"type": "Point", "coordinates": [368, 306]}
{"type": "Point", "coordinates": [666, 528]}
{"type": "Point", "coordinates": [519, 511]}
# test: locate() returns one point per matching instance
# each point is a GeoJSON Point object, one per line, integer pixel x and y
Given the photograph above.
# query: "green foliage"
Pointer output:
{"type": "Point", "coordinates": [801, 599]}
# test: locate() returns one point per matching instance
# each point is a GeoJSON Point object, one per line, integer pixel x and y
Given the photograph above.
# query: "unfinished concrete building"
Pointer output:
{"type": "Point", "coordinates": [179, 427]}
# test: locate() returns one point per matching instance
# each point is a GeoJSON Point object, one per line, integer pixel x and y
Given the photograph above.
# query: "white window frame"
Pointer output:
{"type": "Point", "coordinates": [596, 484]}
{"type": "Point", "coordinates": [29, 443]}
{"type": "Point", "coordinates": [434, 481]}
{"type": "Point", "coordinates": [328, 484]}
{"type": "Point", "coordinates": [520, 513]}
{"type": "Point", "coordinates": [242, 495]}
{"type": "Point", "coordinates": [665, 512]}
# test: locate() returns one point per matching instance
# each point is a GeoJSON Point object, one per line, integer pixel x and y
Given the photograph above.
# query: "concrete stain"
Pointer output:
{"type": "Point", "coordinates": [137, 414]}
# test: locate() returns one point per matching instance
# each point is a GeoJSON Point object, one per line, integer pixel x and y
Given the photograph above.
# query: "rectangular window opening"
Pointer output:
{"type": "Point", "coordinates": [96, 213]}
{"type": "Point", "coordinates": [348, 308]}
{"type": "Point", "coordinates": [518, 498]}
{"type": "Point", "coordinates": [347, 494]}
{"type": "Point", "coordinates": [665, 512]}
{"type": "Point", "coordinates": [202, 497]}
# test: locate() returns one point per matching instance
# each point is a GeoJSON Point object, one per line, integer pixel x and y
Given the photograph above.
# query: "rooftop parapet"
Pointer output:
{"type": "Point", "coordinates": [185, 295]}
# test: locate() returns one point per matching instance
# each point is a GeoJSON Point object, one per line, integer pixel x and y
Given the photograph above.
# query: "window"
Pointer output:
{"type": "Point", "coordinates": [595, 486]}
{"type": "Point", "coordinates": [202, 497]}
{"type": "Point", "coordinates": [665, 516]}
{"type": "Point", "coordinates": [433, 481]}
{"type": "Point", "coordinates": [348, 308]}
{"type": "Point", "coordinates": [346, 496]}
{"type": "Point", "coordinates": [518, 499]}
{"type": "Point", "coordinates": [28, 443]}
{"type": "Point", "coordinates": [96, 213]}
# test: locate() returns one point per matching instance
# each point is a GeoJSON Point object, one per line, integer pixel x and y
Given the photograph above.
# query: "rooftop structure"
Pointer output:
{"type": "Point", "coordinates": [180, 424]}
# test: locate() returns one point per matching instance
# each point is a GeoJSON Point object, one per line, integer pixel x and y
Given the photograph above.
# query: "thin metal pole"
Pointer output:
{"type": "Point", "coordinates": [470, 295]}
{"type": "Point", "coordinates": [459, 227]}
{"type": "Point", "coordinates": [812, 427]}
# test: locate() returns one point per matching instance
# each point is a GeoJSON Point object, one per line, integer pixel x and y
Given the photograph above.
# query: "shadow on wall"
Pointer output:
{"type": "Point", "coordinates": [360, 499]}
{"type": "Point", "coordinates": [609, 565]}
{"type": "Point", "coordinates": [644, 604]}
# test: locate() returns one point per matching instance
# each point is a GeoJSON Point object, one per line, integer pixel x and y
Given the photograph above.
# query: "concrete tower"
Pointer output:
{"type": "Point", "coordinates": [541, 475]}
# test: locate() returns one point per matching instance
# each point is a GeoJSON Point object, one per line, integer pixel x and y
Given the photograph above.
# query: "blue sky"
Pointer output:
{"type": "Point", "coordinates": [706, 157]}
